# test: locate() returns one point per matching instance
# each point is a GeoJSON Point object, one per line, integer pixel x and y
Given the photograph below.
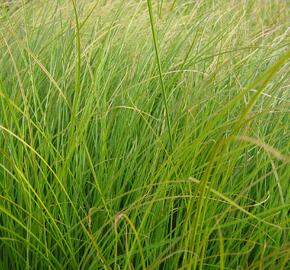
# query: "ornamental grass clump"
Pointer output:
{"type": "Point", "coordinates": [144, 134]}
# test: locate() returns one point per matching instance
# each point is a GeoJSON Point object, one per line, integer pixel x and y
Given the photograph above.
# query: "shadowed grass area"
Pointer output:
{"type": "Point", "coordinates": [144, 134]}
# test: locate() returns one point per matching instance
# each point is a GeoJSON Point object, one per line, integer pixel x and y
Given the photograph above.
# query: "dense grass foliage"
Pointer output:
{"type": "Point", "coordinates": [144, 134]}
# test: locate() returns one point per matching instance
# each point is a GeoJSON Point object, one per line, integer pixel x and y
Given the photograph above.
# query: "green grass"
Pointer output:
{"type": "Point", "coordinates": [144, 134]}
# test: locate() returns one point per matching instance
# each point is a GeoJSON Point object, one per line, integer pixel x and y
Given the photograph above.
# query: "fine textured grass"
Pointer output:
{"type": "Point", "coordinates": [144, 134]}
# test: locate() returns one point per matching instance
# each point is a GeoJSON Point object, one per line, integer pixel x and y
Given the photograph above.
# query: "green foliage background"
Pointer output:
{"type": "Point", "coordinates": [144, 134]}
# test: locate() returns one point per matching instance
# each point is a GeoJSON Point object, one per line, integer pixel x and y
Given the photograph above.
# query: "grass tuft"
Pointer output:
{"type": "Point", "coordinates": [144, 135]}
